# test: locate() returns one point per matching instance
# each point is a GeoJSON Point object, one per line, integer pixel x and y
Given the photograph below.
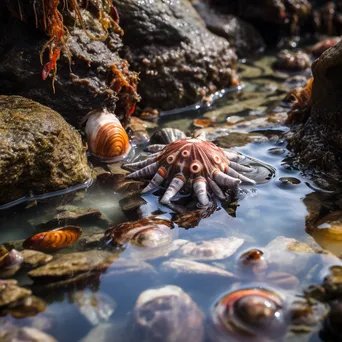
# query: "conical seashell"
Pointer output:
{"type": "Point", "coordinates": [166, 136]}
{"type": "Point", "coordinates": [107, 139]}
{"type": "Point", "coordinates": [252, 314]}
{"type": "Point", "coordinates": [53, 240]}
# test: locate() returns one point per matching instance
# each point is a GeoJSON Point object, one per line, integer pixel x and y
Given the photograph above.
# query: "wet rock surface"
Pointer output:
{"type": "Point", "coordinates": [40, 151]}
{"type": "Point", "coordinates": [179, 60]}
{"type": "Point", "coordinates": [317, 142]}
{"type": "Point", "coordinates": [71, 264]}
{"type": "Point", "coordinates": [98, 76]}
{"type": "Point", "coordinates": [10, 292]}
{"type": "Point", "coordinates": [242, 36]}
{"type": "Point", "coordinates": [273, 18]}
{"type": "Point", "coordinates": [72, 215]}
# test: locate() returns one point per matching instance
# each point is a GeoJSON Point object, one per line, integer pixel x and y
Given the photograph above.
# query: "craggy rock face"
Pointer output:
{"type": "Point", "coordinates": [318, 141]}
{"type": "Point", "coordinates": [243, 37]}
{"type": "Point", "coordinates": [271, 17]}
{"type": "Point", "coordinates": [98, 76]}
{"type": "Point", "coordinates": [179, 60]}
{"type": "Point", "coordinates": [39, 151]}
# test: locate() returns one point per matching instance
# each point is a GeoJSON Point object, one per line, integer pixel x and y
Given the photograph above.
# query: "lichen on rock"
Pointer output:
{"type": "Point", "coordinates": [39, 151]}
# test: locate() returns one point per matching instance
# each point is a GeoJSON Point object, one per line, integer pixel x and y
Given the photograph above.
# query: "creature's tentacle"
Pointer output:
{"type": "Point", "coordinates": [240, 168]}
{"type": "Point", "coordinates": [225, 180]}
{"type": "Point", "coordinates": [146, 172]}
{"type": "Point", "coordinates": [234, 156]}
{"type": "Point", "coordinates": [216, 189]}
{"type": "Point", "coordinates": [155, 148]}
{"type": "Point", "coordinates": [158, 178]}
{"type": "Point", "coordinates": [200, 189]}
{"type": "Point", "coordinates": [174, 187]}
{"type": "Point", "coordinates": [235, 174]}
{"type": "Point", "coordinates": [139, 164]}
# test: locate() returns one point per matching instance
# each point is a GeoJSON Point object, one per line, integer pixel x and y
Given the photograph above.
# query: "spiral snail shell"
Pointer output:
{"type": "Point", "coordinates": [252, 314]}
{"type": "Point", "coordinates": [107, 139]}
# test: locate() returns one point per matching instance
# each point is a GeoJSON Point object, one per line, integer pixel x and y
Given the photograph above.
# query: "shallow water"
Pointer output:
{"type": "Point", "coordinates": [260, 215]}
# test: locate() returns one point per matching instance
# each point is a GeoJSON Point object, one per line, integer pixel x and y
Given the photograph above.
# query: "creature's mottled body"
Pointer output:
{"type": "Point", "coordinates": [192, 164]}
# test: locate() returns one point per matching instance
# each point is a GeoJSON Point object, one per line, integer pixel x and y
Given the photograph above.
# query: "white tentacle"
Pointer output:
{"type": "Point", "coordinates": [216, 189]}
{"type": "Point", "coordinates": [140, 164]}
{"type": "Point", "coordinates": [157, 180]}
{"type": "Point", "coordinates": [234, 156]}
{"type": "Point", "coordinates": [225, 180]}
{"type": "Point", "coordinates": [200, 189]}
{"type": "Point", "coordinates": [174, 187]}
{"type": "Point", "coordinates": [147, 171]}
{"type": "Point", "coordinates": [239, 167]}
{"type": "Point", "coordinates": [235, 174]}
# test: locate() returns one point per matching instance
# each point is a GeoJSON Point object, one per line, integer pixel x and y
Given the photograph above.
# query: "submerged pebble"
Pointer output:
{"type": "Point", "coordinates": [287, 182]}
{"type": "Point", "coordinates": [277, 151]}
{"type": "Point", "coordinates": [95, 307]}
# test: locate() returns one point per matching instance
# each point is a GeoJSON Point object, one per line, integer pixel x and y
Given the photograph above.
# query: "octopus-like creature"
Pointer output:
{"type": "Point", "coordinates": [192, 165]}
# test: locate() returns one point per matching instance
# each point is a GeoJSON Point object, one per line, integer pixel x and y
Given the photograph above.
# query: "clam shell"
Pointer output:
{"type": "Point", "coordinates": [166, 314]}
{"type": "Point", "coordinates": [148, 232]}
{"type": "Point", "coordinates": [107, 139]}
{"type": "Point", "coordinates": [166, 136]}
{"type": "Point", "coordinates": [53, 240]}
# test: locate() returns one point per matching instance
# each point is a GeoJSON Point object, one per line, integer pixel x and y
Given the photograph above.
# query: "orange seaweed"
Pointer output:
{"type": "Point", "coordinates": [301, 103]}
{"type": "Point", "coordinates": [59, 34]}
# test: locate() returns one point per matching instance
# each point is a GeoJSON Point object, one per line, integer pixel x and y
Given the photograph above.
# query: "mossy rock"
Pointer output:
{"type": "Point", "coordinates": [39, 151]}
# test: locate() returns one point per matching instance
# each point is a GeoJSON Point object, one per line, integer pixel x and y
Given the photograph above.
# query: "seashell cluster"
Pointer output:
{"type": "Point", "coordinates": [54, 239]}
{"type": "Point", "coordinates": [192, 165]}
{"type": "Point", "coordinates": [252, 314]}
{"type": "Point", "coordinates": [166, 314]}
{"type": "Point", "coordinates": [107, 139]}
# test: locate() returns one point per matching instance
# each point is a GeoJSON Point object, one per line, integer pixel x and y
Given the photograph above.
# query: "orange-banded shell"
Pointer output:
{"type": "Point", "coordinates": [53, 240]}
{"type": "Point", "coordinates": [252, 314]}
{"type": "Point", "coordinates": [107, 139]}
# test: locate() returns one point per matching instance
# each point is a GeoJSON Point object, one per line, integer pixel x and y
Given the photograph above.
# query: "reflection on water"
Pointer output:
{"type": "Point", "coordinates": [93, 294]}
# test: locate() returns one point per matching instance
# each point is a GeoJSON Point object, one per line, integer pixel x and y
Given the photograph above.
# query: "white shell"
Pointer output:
{"type": "Point", "coordinates": [107, 139]}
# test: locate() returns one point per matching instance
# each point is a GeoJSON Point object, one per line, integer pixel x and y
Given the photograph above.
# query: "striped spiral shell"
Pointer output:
{"type": "Point", "coordinates": [252, 314]}
{"type": "Point", "coordinates": [53, 240]}
{"type": "Point", "coordinates": [107, 139]}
